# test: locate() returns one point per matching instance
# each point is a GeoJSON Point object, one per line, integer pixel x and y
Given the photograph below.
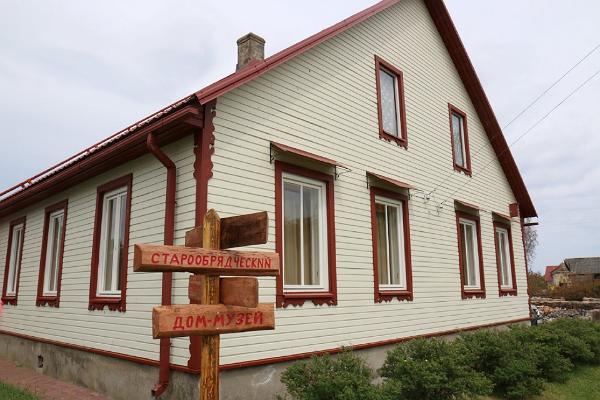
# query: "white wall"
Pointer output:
{"type": "Point", "coordinates": [325, 102]}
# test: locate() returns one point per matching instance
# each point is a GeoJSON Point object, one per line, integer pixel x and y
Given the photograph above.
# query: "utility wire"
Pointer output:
{"type": "Point", "coordinates": [523, 111]}
{"type": "Point", "coordinates": [539, 121]}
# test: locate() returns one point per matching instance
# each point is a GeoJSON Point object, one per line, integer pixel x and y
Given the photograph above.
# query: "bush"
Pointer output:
{"type": "Point", "coordinates": [577, 291]}
{"type": "Point", "coordinates": [581, 339]}
{"type": "Point", "coordinates": [345, 377]}
{"type": "Point", "coordinates": [512, 367]}
{"type": "Point", "coordinates": [432, 369]}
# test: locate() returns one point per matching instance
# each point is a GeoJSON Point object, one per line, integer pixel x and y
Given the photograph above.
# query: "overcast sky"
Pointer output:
{"type": "Point", "coordinates": [74, 72]}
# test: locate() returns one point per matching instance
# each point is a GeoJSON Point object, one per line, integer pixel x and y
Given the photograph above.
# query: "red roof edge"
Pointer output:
{"type": "Point", "coordinates": [242, 76]}
{"type": "Point", "coordinates": [441, 17]}
{"type": "Point", "coordinates": [305, 154]}
{"type": "Point", "coordinates": [549, 270]}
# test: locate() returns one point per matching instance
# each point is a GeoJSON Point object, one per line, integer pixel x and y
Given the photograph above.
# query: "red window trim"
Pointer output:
{"type": "Point", "coordinates": [12, 300]}
{"type": "Point", "coordinates": [403, 139]}
{"type": "Point", "coordinates": [51, 301]}
{"type": "Point", "coordinates": [470, 293]}
{"type": "Point", "coordinates": [99, 302]}
{"type": "Point", "coordinates": [504, 291]}
{"type": "Point", "coordinates": [389, 295]}
{"type": "Point", "coordinates": [454, 110]}
{"type": "Point", "coordinates": [284, 299]}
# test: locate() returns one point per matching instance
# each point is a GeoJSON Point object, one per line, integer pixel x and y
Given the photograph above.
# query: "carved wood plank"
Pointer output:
{"type": "Point", "coordinates": [210, 319]}
{"type": "Point", "coordinates": [238, 231]}
{"type": "Point", "coordinates": [161, 258]}
{"type": "Point", "coordinates": [241, 292]}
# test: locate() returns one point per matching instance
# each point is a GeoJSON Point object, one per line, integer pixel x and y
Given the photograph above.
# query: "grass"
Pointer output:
{"type": "Point", "coordinates": [8, 392]}
{"type": "Point", "coordinates": [583, 384]}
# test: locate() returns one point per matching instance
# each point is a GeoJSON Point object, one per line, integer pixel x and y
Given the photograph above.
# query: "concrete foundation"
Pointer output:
{"type": "Point", "coordinates": [128, 380]}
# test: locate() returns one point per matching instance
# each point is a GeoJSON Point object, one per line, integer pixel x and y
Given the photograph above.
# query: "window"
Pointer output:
{"type": "Point", "coordinates": [505, 259]}
{"type": "Point", "coordinates": [53, 243]}
{"type": "Point", "coordinates": [460, 140]}
{"type": "Point", "coordinates": [470, 255]}
{"type": "Point", "coordinates": [305, 236]}
{"type": "Point", "coordinates": [391, 246]}
{"type": "Point", "coordinates": [390, 102]}
{"type": "Point", "coordinates": [111, 237]}
{"type": "Point", "coordinates": [12, 269]}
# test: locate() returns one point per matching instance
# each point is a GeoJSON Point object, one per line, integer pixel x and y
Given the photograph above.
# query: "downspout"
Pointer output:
{"type": "Point", "coordinates": [167, 278]}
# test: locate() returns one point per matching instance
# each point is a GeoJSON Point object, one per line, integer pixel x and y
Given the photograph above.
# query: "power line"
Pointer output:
{"type": "Point", "coordinates": [551, 87]}
{"type": "Point", "coordinates": [539, 121]}
{"type": "Point", "coordinates": [523, 111]}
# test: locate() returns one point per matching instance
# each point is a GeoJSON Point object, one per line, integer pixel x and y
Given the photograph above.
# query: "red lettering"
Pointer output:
{"type": "Point", "coordinates": [239, 319]}
{"type": "Point", "coordinates": [220, 261]}
{"type": "Point", "coordinates": [261, 263]}
{"type": "Point", "coordinates": [230, 318]}
{"type": "Point", "coordinates": [189, 321]}
{"type": "Point", "coordinates": [268, 263]}
{"type": "Point", "coordinates": [165, 257]}
{"type": "Point", "coordinates": [155, 258]}
{"type": "Point", "coordinates": [184, 258]}
{"type": "Point", "coordinates": [254, 263]}
{"type": "Point", "coordinates": [248, 318]}
{"type": "Point", "coordinates": [198, 260]}
{"type": "Point", "coordinates": [205, 260]}
{"type": "Point", "coordinates": [174, 260]}
{"type": "Point", "coordinates": [258, 317]}
{"type": "Point", "coordinates": [190, 259]}
{"type": "Point", "coordinates": [213, 260]}
{"type": "Point", "coordinates": [219, 318]}
{"type": "Point", "coordinates": [178, 324]}
{"type": "Point", "coordinates": [228, 263]}
{"type": "Point", "coordinates": [200, 321]}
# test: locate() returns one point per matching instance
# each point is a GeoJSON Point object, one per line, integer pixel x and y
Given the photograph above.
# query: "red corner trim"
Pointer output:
{"type": "Point", "coordinates": [284, 299]}
{"type": "Point", "coordinates": [503, 291]}
{"type": "Point", "coordinates": [460, 168]}
{"type": "Point", "coordinates": [402, 140]}
{"type": "Point", "coordinates": [51, 301]}
{"type": "Point", "coordinates": [305, 154]}
{"type": "Point", "coordinates": [112, 303]}
{"type": "Point", "coordinates": [389, 295]}
{"type": "Point", "coordinates": [12, 300]}
{"type": "Point", "coordinates": [466, 293]}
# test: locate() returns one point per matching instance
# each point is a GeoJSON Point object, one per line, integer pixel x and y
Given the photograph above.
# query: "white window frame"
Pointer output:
{"type": "Point", "coordinates": [120, 195]}
{"type": "Point", "coordinates": [475, 239]}
{"type": "Point", "coordinates": [506, 252]}
{"type": "Point", "coordinates": [15, 259]}
{"type": "Point", "coordinates": [323, 248]}
{"type": "Point", "coordinates": [49, 257]}
{"type": "Point", "coordinates": [401, 243]}
{"type": "Point", "coordinates": [398, 134]}
{"type": "Point", "coordinates": [462, 138]}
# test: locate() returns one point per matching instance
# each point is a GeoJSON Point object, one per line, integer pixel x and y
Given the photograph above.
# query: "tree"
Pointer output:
{"type": "Point", "coordinates": [530, 239]}
{"type": "Point", "coordinates": [537, 283]}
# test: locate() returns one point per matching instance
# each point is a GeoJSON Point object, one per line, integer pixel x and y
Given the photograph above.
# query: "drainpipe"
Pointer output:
{"type": "Point", "coordinates": [167, 278]}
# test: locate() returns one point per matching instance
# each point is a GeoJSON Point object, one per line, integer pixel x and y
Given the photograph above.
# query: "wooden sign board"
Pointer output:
{"type": "Point", "coordinates": [239, 231]}
{"type": "Point", "coordinates": [213, 319]}
{"type": "Point", "coordinates": [160, 258]}
{"type": "Point", "coordinates": [237, 291]}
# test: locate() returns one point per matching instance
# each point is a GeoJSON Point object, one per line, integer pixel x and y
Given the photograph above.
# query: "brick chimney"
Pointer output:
{"type": "Point", "coordinates": [251, 48]}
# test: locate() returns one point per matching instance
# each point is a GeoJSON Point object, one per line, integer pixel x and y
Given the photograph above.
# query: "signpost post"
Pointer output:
{"type": "Point", "coordinates": [212, 311]}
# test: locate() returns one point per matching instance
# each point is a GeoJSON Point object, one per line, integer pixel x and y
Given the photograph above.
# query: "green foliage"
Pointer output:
{"type": "Point", "coordinates": [345, 377]}
{"type": "Point", "coordinates": [432, 369]}
{"type": "Point", "coordinates": [514, 364]}
{"type": "Point", "coordinates": [8, 392]}
{"type": "Point", "coordinates": [512, 367]}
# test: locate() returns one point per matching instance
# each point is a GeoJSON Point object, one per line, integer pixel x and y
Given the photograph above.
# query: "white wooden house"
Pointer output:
{"type": "Point", "coordinates": [392, 196]}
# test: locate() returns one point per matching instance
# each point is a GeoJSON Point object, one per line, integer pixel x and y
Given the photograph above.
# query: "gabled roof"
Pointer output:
{"type": "Point", "coordinates": [455, 48]}
{"type": "Point", "coordinates": [587, 265]}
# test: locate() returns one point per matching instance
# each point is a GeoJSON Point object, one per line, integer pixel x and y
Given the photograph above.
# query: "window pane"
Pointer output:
{"type": "Point", "coordinates": [53, 254]}
{"type": "Point", "coordinates": [15, 255]}
{"type": "Point", "coordinates": [291, 234]}
{"type": "Point", "coordinates": [389, 102]}
{"type": "Point", "coordinates": [394, 245]}
{"type": "Point", "coordinates": [457, 136]}
{"type": "Point", "coordinates": [382, 253]}
{"type": "Point", "coordinates": [504, 258]}
{"type": "Point", "coordinates": [109, 243]}
{"type": "Point", "coordinates": [469, 255]}
{"type": "Point", "coordinates": [311, 235]}
{"type": "Point", "coordinates": [121, 249]}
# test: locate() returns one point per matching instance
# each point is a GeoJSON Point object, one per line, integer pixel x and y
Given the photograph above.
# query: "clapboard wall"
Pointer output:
{"type": "Point", "coordinates": [324, 102]}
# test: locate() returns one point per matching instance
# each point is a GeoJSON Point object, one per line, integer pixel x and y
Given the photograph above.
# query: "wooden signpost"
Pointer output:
{"type": "Point", "coordinates": [219, 305]}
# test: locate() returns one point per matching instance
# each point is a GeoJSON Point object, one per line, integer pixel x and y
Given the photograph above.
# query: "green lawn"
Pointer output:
{"type": "Point", "coordinates": [8, 392]}
{"type": "Point", "coordinates": [583, 384]}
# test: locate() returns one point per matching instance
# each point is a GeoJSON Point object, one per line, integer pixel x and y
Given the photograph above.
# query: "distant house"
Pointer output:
{"type": "Point", "coordinates": [574, 270]}
{"type": "Point", "coordinates": [548, 273]}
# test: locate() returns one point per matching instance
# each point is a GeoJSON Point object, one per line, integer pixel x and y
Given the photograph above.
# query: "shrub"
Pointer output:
{"type": "Point", "coordinates": [432, 369]}
{"type": "Point", "coordinates": [581, 339]}
{"type": "Point", "coordinates": [577, 291]}
{"type": "Point", "coordinates": [511, 366]}
{"type": "Point", "coordinates": [345, 377]}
